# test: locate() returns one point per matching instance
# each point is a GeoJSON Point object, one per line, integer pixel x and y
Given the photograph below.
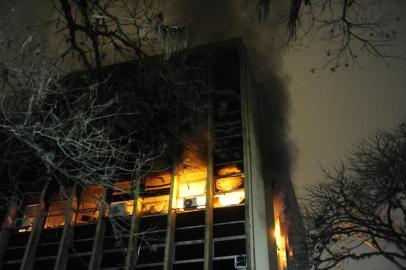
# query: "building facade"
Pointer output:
{"type": "Point", "coordinates": [214, 209]}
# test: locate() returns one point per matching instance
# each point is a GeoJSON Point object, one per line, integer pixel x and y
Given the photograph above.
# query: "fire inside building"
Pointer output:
{"type": "Point", "coordinates": [214, 211]}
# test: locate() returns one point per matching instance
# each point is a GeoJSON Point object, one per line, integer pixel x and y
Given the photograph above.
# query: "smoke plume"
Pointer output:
{"type": "Point", "coordinates": [210, 21]}
{"type": "Point", "coordinates": [214, 20]}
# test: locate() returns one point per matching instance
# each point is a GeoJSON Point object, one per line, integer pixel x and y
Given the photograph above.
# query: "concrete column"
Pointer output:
{"type": "Point", "coordinates": [132, 249]}
{"type": "Point", "coordinates": [245, 83]}
{"type": "Point", "coordinates": [6, 226]}
{"type": "Point", "coordinates": [261, 253]}
{"type": "Point", "coordinates": [29, 254]}
{"type": "Point", "coordinates": [208, 228]}
{"type": "Point", "coordinates": [67, 234]}
{"type": "Point", "coordinates": [270, 221]}
{"type": "Point", "coordinates": [170, 227]}
{"type": "Point", "coordinates": [97, 248]}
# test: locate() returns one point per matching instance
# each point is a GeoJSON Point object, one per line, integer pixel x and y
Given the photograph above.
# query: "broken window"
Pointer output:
{"type": "Point", "coordinates": [89, 204]}
{"type": "Point", "coordinates": [26, 221]}
{"type": "Point", "coordinates": [229, 186]}
{"type": "Point", "coordinates": [57, 209]}
{"type": "Point", "coordinates": [155, 197]}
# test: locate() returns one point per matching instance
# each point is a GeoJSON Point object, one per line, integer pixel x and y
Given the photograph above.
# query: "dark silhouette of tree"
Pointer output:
{"type": "Point", "coordinates": [351, 28]}
{"type": "Point", "coordinates": [99, 121]}
{"type": "Point", "coordinates": [360, 211]}
{"type": "Point", "coordinates": [87, 131]}
{"type": "Point", "coordinates": [98, 125]}
{"type": "Point", "coordinates": [115, 29]}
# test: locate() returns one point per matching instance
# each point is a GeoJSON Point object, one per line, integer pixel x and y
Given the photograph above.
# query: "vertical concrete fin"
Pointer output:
{"type": "Point", "coordinates": [5, 228]}
{"type": "Point", "coordinates": [132, 249]}
{"type": "Point", "coordinates": [29, 254]}
{"type": "Point", "coordinates": [67, 234]}
{"type": "Point", "coordinates": [170, 227]}
{"type": "Point", "coordinates": [208, 228]}
{"type": "Point", "coordinates": [97, 248]}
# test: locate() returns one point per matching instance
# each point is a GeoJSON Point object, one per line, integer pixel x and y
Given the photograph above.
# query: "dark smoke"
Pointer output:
{"type": "Point", "coordinates": [19, 18]}
{"type": "Point", "coordinates": [216, 20]}
{"type": "Point", "coordinates": [272, 114]}
{"type": "Point", "coordinates": [208, 21]}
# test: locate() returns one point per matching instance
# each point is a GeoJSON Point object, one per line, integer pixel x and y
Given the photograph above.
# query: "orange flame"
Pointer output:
{"type": "Point", "coordinates": [280, 237]}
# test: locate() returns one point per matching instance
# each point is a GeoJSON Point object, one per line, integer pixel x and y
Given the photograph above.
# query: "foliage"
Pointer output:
{"type": "Point", "coordinates": [360, 212]}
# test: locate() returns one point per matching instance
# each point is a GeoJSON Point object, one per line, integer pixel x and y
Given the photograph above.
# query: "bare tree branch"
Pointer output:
{"type": "Point", "coordinates": [360, 212]}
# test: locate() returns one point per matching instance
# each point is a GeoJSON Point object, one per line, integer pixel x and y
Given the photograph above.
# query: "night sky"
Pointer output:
{"type": "Point", "coordinates": [329, 112]}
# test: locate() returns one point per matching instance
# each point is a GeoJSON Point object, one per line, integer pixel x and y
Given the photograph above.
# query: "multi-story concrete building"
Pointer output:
{"type": "Point", "coordinates": [216, 209]}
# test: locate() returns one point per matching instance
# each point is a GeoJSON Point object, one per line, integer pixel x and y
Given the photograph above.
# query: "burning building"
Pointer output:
{"type": "Point", "coordinates": [216, 208]}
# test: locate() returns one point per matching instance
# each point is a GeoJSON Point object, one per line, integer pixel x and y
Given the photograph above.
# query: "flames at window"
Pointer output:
{"type": "Point", "coordinates": [191, 176]}
{"type": "Point", "coordinates": [280, 234]}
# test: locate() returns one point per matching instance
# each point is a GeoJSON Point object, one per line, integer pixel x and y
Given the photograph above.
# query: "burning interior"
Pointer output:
{"type": "Point", "coordinates": [284, 251]}
{"type": "Point", "coordinates": [154, 199]}
{"type": "Point", "coordinates": [169, 213]}
{"type": "Point", "coordinates": [207, 176]}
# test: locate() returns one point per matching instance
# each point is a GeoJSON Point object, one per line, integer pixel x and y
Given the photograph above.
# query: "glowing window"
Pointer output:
{"type": "Point", "coordinates": [192, 191]}
{"type": "Point", "coordinates": [89, 204]}
{"type": "Point", "coordinates": [155, 205]}
{"type": "Point", "coordinates": [57, 209]}
{"type": "Point", "coordinates": [56, 214]}
{"type": "Point", "coordinates": [25, 223]}
{"type": "Point", "coordinates": [229, 186]}
{"type": "Point", "coordinates": [192, 177]}
{"type": "Point", "coordinates": [229, 198]}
